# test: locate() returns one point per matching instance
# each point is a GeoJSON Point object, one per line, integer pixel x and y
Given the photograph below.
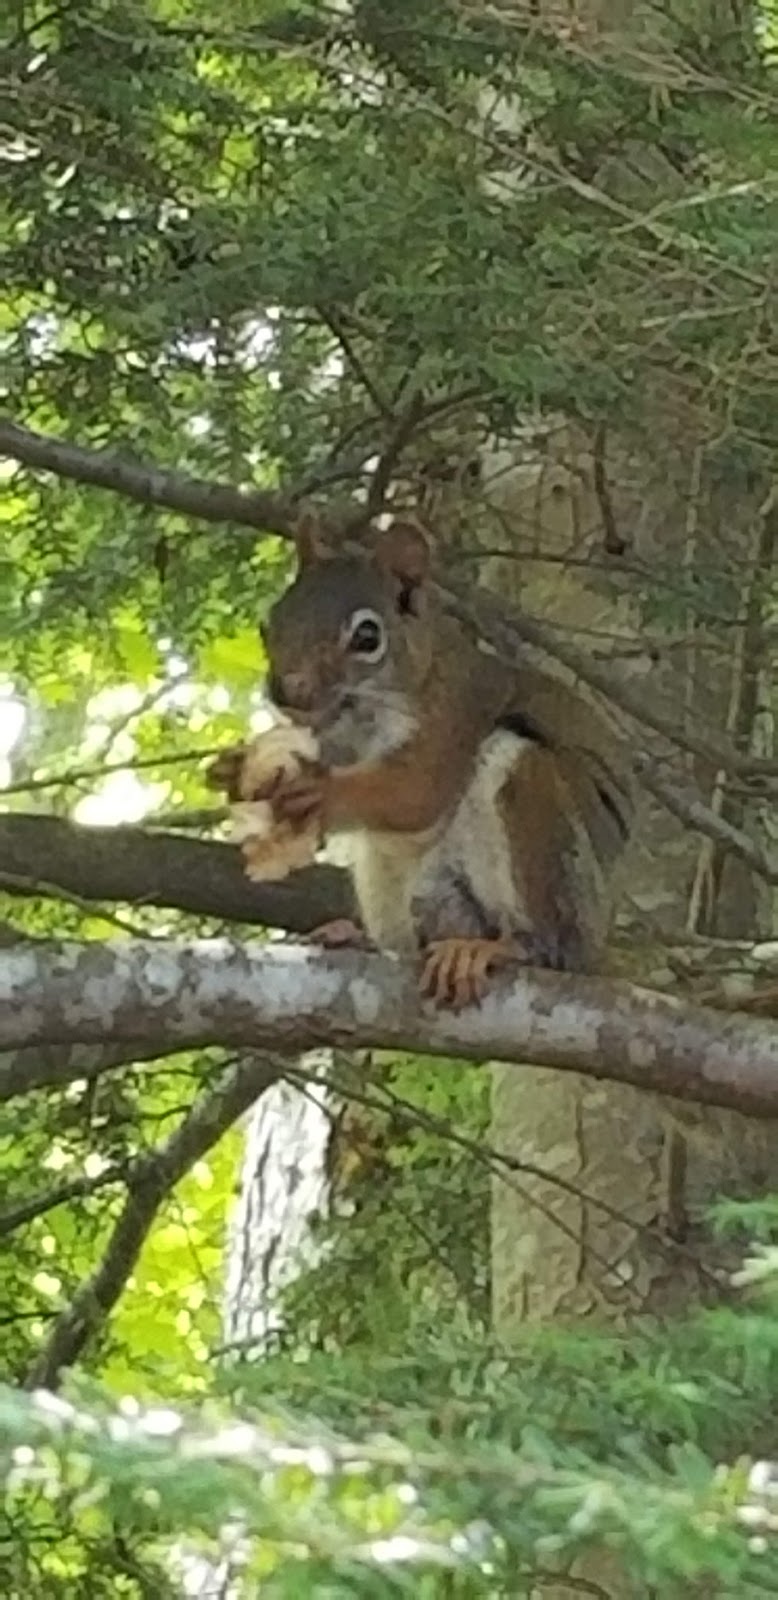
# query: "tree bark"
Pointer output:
{"type": "Point", "coordinates": [160, 996]}
{"type": "Point", "coordinates": [136, 866]}
{"type": "Point", "coordinates": [148, 485]}
{"type": "Point", "coordinates": [283, 1185]}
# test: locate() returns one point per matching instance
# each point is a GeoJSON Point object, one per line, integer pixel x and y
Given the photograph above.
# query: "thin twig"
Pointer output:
{"type": "Point", "coordinates": [32, 887]}
{"type": "Point", "coordinates": [74, 1189]}
{"type": "Point", "coordinates": [484, 615]}
{"type": "Point", "coordinates": [335, 322]}
{"type": "Point", "coordinates": [747, 658]}
{"type": "Point", "coordinates": [694, 813]}
{"type": "Point", "coordinates": [93, 774]}
{"type": "Point", "coordinates": [612, 542]}
{"type": "Point", "coordinates": [499, 1162]}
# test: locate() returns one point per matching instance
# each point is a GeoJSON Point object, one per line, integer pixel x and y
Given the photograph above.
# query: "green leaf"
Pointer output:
{"type": "Point", "coordinates": [235, 658]}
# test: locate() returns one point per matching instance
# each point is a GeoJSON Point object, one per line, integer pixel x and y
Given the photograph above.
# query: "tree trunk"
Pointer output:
{"type": "Point", "coordinates": [630, 1237]}
{"type": "Point", "coordinates": [283, 1186]}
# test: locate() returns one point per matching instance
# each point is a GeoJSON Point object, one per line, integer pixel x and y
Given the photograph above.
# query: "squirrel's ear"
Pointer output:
{"type": "Point", "coordinates": [309, 541]}
{"type": "Point", "coordinates": [404, 550]}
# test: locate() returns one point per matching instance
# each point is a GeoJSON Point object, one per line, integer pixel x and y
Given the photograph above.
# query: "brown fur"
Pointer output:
{"type": "Point", "coordinates": [432, 706]}
{"type": "Point", "coordinates": [412, 789]}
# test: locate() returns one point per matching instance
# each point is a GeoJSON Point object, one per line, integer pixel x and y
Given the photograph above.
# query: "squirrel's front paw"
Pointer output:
{"type": "Point", "coordinates": [298, 797]}
{"type": "Point", "coordinates": [340, 934]}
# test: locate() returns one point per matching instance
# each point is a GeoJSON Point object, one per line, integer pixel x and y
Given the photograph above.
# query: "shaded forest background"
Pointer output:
{"type": "Point", "coordinates": [512, 267]}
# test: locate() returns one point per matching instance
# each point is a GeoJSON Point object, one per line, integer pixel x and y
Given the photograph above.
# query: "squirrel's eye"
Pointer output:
{"type": "Point", "coordinates": [366, 635]}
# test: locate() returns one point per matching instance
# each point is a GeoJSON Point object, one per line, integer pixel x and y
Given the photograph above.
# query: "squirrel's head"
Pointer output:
{"type": "Point", "coordinates": [350, 644]}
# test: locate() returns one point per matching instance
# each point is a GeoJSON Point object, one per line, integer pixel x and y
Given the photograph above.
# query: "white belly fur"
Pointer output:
{"type": "Point", "coordinates": [389, 869]}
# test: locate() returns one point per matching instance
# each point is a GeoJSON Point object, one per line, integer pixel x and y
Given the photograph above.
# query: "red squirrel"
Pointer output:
{"type": "Point", "coordinates": [486, 804]}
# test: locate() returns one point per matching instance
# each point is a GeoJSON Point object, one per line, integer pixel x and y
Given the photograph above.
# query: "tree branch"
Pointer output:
{"type": "Point", "coordinates": [157, 869]}
{"type": "Point", "coordinates": [400, 436]}
{"type": "Point", "coordinates": [150, 1181]}
{"type": "Point", "coordinates": [187, 995]}
{"type": "Point", "coordinates": [37, 1205]}
{"type": "Point", "coordinates": [268, 510]}
{"type": "Point", "coordinates": [70, 1063]}
{"type": "Point", "coordinates": [74, 776]}
{"type": "Point", "coordinates": [481, 613]}
{"type": "Point", "coordinates": [701, 818]}
{"type": "Point", "coordinates": [335, 322]}
{"type": "Point", "coordinates": [278, 512]}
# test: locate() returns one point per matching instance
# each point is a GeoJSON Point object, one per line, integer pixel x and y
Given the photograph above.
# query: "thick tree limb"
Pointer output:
{"type": "Point", "coordinates": [149, 1181]}
{"type": "Point", "coordinates": [157, 869]}
{"type": "Point", "coordinates": [70, 1063]}
{"type": "Point", "coordinates": [176, 996]}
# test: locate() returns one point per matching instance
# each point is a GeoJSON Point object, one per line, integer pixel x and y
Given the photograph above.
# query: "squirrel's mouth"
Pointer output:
{"type": "Point", "coordinates": [319, 717]}
{"type": "Point", "coordinates": [335, 724]}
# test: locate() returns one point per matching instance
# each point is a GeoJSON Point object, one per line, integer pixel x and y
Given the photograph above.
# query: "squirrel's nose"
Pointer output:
{"type": "Point", "coordinates": [291, 691]}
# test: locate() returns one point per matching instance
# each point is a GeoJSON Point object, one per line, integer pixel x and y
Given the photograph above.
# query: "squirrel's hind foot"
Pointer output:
{"type": "Point", "coordinates": [456, 972]}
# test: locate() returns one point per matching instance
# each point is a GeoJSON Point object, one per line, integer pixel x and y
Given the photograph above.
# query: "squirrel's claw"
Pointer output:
{"type": "Point", "coordinates": [456, 971]}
